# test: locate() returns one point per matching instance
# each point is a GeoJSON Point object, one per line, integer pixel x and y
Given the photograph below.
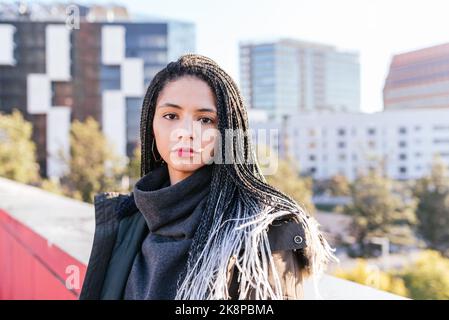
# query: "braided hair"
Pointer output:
{"type": "Point", "coordinates": [241, 204]}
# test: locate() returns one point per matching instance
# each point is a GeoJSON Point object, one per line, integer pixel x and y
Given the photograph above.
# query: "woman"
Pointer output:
{"type": "Point", "coordinates": [202, 222]}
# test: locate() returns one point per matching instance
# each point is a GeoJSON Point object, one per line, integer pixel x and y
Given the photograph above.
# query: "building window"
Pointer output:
{"type": "Point", "coordinates": [402, 170]}
{"type": "Point", "coordinates": [371, 131]}
{"type": "Point", "coordinates": [441, 127]}
{"type": "Point", "coordinates": [402, 130]}
{"type": "Point", "coordinates": [341, 131]}
{"type": "Point", "coordinates": [403, 156]}
{"type": "Point", "coordinates": [312, 145]}
{"type": "Point", "coordinates": [312, 157]}
{"type": "Point", "coordinates": [342, 157]}
{"type": "Point", "coordinates": [341, 145]}
{"type": "Point", "coordinates": [371, 144]}
{"type": "Point", "coordinates": [442, 140]}
{"type": "Point", "coordinates": [402, 144]}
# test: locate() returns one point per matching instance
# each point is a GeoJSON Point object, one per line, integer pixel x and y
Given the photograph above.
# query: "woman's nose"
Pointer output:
{"type": "Point", "coordinates": [188, 129]}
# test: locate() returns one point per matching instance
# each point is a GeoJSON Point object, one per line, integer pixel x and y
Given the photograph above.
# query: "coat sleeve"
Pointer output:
{"type": "Point", "coordinates": [287, 243]}
{"type": "Point", "coordinates": [290, 273]}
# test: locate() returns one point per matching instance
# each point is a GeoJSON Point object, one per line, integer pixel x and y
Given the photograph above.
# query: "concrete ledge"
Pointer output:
{"type": "Point", "coordinates": [65, 222]}
{"type": "Point", "coordinates": [333, 288]}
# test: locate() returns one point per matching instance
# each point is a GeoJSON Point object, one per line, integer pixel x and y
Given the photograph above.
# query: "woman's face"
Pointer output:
{"type": "Point", "coordinates": [185, 125]}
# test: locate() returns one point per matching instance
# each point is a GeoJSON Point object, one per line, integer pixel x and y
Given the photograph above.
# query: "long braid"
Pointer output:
{"type": "Point", "coordinates": [241, 204]}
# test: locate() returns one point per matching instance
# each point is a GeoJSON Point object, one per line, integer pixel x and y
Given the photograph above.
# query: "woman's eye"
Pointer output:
{"type": "Point", "coordinates": [206, 120]}
{"type": "Point", "coordinates": [170, 116]}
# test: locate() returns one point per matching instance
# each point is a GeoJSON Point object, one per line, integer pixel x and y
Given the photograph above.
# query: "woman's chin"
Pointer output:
{"type": "Point", "coordinates": [185, 165]}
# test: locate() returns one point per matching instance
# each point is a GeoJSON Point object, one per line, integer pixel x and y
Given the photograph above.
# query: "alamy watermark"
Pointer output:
{"type": "Point", "coordinates": [209, 147]}
{"type": "Point", "coordinates": [72, 21]}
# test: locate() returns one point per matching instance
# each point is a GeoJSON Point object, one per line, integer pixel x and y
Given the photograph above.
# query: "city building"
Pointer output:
{"type": "Point", "coordinates": [287, 76]}
{"type": "Point", "coordinates": [401, 144]}
{"type": "Point", "coordinates": [59, 63]}
{"type": "Point", "coordinates": [418, 79]}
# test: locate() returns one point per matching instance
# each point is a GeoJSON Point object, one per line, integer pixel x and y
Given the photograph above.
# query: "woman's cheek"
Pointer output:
{"type": "Point", "coordinates": [162, 141]}
{"type": "Point", "coordinates": [165, 138]}
{"type": "Point", "coordinates": [208, 149]}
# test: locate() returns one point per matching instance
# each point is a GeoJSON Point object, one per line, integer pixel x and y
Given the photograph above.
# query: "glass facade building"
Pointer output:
{"type": "Point", "coordinates": [287, 76]}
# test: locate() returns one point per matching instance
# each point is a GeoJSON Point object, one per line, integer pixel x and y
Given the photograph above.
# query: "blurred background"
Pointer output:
{"type": "Point", "coordinates": [354, 95]}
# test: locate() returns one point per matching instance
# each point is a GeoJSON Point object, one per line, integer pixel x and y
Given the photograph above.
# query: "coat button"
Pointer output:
{"type": "Point", "coordinates": [297, 239]}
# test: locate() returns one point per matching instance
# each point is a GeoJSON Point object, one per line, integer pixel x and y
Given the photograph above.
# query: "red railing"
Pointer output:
{"type": "Point", "coordinates": [33, 268]}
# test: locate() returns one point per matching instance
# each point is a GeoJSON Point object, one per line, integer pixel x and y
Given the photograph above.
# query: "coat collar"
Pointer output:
{"type": "Point", "coordinates": [164, 205]}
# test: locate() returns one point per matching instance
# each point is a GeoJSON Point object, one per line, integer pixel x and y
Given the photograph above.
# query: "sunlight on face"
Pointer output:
{"type": "Point", "coordinates": [185, 126]}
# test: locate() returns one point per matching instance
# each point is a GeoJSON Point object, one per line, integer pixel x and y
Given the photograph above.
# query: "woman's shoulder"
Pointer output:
{"type": "Point", "coordinates": [286, 233]}
{"type": "Point", "coordinates": [115, 203]}
{"type": "Point", "coordinates": [107, 196]}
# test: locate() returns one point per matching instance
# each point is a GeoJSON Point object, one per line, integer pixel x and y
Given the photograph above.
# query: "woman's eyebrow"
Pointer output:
{"type": "Point", "coordinates": [169, 104]}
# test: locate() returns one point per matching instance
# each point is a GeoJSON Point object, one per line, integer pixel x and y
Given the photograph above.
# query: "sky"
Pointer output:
{"type": "Point", "coordinates": [375, 29]}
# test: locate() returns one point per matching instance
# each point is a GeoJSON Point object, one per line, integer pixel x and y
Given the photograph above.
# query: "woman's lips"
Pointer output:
{"type": "Point", "coordinates": [185, 152]}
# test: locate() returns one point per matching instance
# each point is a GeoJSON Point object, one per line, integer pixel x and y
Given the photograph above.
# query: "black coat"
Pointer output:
{"type": "Point", "coordinates": [118, 221]}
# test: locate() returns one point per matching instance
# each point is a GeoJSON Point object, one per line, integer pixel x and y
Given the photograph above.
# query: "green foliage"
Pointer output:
{"type": "Point", "coordinates": [337, 186]}
{"type": "Point", "coordinates": [371, 276]}
{"type": "Point", "coordinates": [428, 277]}
{"type": "Point", "coordinates": [433, 207]}
{"type": "Point", "coordinates": [379, 211]}
{"type": "Point", "coordinates": [134, 166]}
{"type": "Point", "coordinates": [17, 150]}
{"type": "Point", "coordinates": [93, 167]}
{"type": "Point", "coordinates": [287, 179]}
{"type": "Point", "coordinates": [52, 186]}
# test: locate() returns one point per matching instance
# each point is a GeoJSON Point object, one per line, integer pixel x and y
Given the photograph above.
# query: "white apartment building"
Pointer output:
{"type": "Point", "coordinates": [329, 143]}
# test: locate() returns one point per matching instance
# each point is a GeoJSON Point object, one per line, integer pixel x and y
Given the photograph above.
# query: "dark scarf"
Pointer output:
{"type": "Point", "coordinates": [172, 213]}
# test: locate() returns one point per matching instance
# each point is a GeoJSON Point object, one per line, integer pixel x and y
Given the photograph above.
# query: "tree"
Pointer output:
{"type": "Point", "coordinates": [380, 212]}
{"type": "Point", "coordinates": [428, 276]}
{"type": "Point", "coordinates": [433, 207]}
{"type": "Point", "coordinates": [17, 150]}
{"type": "Point", "coordinates": [54, 186]}
{"type": "Point", "coordinates": [93, 167]}
{"type": "Point", "coordinates": [134, 165]}
{"type": "Point", "coordinates": [371, 276]}
{"type": "Point", "coordinates": [287, 178]}
{"type": "Point", "coordinates": [339, 186]}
